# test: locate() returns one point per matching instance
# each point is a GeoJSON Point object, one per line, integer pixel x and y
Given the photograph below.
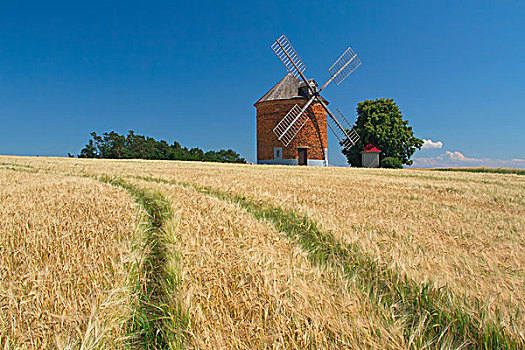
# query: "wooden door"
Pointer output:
{"type": "Point", "coordinates": [303, 155]}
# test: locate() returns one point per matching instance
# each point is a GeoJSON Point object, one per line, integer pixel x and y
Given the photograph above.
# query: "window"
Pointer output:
{"type": "Point", "coordinates": [278, 153]}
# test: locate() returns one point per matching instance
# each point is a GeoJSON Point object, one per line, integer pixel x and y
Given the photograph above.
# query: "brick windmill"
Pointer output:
{"type": "Point", "coordinates": [292, 117]}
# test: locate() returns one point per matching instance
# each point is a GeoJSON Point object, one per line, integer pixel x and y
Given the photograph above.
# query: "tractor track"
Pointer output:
{"type": "Point", "coordinates": [158, 320]}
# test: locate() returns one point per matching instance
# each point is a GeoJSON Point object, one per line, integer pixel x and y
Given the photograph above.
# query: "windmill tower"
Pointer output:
{"type": "Point", "coordinates": [309, 146]}
{"type": "Point", "coordinates": [292, 117]}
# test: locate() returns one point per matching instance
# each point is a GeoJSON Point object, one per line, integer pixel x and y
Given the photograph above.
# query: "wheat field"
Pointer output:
{"type": "Point", "coordinates": [64, 246]}
{"type": "Point", "coordinates": [246, 282]}
{"type": "Point", "coordinates": [245, 286]}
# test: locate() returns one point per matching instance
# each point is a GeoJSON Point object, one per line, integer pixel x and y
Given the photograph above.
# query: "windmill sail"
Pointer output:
{"type": "Point", "coordinates": [342, 129]}
{"type": "Point", "coordinates": [296, 118]}
{"type": "Point", "coordinates": [344, 66]}
{"type": "Point", "coordinates": [292, 123]}
{"type": "Point", "coordinates": [286, 53]}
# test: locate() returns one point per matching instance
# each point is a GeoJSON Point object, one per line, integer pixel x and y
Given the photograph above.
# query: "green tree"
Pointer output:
{"type": "Point", "coordinates": [94, 147]}
{"type": "Point", "coordinates": [114, 145]}
{"type": "Point", "coordinates": [230, 156]}
{"type": "Point", "coordinates": [89, 151]}
{"type": "Point", "coordinates": [392, 163]}
{"type": "Point", "coordinates": [99, 145]}
{"type": "Point", "coordinates": [134, 146]}
{"type": "Point", "coordinates": [381, 123]}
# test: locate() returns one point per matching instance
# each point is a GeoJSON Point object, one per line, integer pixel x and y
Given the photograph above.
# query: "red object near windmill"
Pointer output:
{"type": "Point", "coordinates": [370, 156]}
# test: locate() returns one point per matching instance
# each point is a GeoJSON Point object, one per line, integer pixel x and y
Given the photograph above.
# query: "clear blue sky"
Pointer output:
{"type": "Point", "coordinates": [191, 71]}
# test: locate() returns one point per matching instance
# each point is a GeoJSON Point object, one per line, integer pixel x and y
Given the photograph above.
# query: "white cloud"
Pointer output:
{"type": "Point", "coordinates": [431, 144]}
{"type": "Point", "coordinates": [458, 159]}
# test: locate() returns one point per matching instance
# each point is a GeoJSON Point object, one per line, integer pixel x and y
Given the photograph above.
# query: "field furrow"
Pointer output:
{"type": "Point", "coordinates": [248, 286]}
{"type": "Point", "coordinates": [157, 320]}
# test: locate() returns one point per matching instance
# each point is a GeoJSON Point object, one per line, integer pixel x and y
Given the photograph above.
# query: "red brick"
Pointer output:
{"type": "Point", "coordinates": [313, 135]}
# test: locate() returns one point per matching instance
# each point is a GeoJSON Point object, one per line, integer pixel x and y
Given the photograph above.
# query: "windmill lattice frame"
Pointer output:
{"type": "Point", "coordinates": [296, 118]}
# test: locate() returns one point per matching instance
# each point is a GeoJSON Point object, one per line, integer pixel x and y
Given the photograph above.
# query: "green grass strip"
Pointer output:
{"type": "Point", "coordinates": [18, 167]}
{"type": "Point", "coordinates": [484, 170]}
{"type": "Point", "coordinates": [158, 321]}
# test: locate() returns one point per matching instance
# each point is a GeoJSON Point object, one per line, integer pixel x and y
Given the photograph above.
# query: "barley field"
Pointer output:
{"type": "Point", "coordinates": [160, 254]}
{"type": "Point", "coordinates": [64, 244]}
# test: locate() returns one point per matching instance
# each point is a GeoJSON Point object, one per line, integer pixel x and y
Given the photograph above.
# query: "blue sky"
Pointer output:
{"type": "Point", "coordinates": [191, 71]}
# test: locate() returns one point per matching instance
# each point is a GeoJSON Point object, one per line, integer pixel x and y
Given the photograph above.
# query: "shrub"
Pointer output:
{"type": "Point", "coordinates": [391, 162]}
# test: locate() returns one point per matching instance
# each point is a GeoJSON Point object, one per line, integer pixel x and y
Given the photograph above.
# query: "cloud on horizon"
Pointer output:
{"type": "Point", "coordinates": [458, 159]}
{"type": "Point", "coordinates": [428, 144]}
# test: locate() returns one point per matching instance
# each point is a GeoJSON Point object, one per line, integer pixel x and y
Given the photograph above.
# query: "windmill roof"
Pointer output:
{"type": "Point", "coordinates": [287, 88]}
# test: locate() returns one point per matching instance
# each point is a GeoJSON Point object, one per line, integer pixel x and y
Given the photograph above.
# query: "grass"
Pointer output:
{"type": "Point", "coordinates": [432, 318]}
{"type": "Point", "coordinates": [485, 170]}
{"type": "Point", "coordinates": [72, 276]}
{"type": "Point", "coordinates": [158, 320]}
{"type": "Point", "coordinates": [247, 286]}
{"type": "Point", "coordinates": [464, 231]}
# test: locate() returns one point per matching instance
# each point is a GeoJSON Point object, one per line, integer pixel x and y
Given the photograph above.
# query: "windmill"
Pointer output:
{"type": "Point", "coordinates": [296, 118]}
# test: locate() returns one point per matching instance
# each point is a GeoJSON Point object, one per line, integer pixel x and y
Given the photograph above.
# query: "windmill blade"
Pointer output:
{"type": "Point", "coordinates": [342, 129]}
{"type": "Point", "coordinates": [292, 123]}
{"type": "Point", "coordinates": [344, 66]}
{"type": "Point", "coordinates": [286, 53]}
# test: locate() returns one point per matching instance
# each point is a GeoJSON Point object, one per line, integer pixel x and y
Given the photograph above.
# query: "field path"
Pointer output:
{"type": "Point", "coordinates": [248, 286]}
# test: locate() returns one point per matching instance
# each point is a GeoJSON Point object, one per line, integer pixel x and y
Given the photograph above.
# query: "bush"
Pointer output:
{"type": "Point", "coordinates": [392, 163]}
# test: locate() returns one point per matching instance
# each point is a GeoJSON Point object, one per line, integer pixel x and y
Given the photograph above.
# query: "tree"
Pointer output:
{"type": "Point", "coordinates": [230, 156]}
{"type": "Point", "coordinates": [90, 151]}
{"type": "Point", "coordinates": [134, 146]}
{"type": "Point", "coordinates": [114, 145]}
{"type": "Point", "coordinates": [381, 123]}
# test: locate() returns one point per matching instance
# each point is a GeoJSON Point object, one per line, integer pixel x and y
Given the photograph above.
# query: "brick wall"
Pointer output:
{"type": "Point", "coordinates": [313, 135]}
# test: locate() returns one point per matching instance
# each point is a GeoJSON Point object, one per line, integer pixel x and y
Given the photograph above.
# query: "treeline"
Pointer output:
{"type": "Point", "coordinates": [134, 146]}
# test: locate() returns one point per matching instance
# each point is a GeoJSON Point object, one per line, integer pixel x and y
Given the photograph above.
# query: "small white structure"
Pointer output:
{"type": "Point", "coordinates": [370, 156]}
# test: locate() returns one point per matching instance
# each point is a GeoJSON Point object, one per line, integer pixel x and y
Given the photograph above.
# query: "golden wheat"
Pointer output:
{"type": "Point", "coordinates": [465, 231]}
{"type": "Point", "coordinates": [64, 246]}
